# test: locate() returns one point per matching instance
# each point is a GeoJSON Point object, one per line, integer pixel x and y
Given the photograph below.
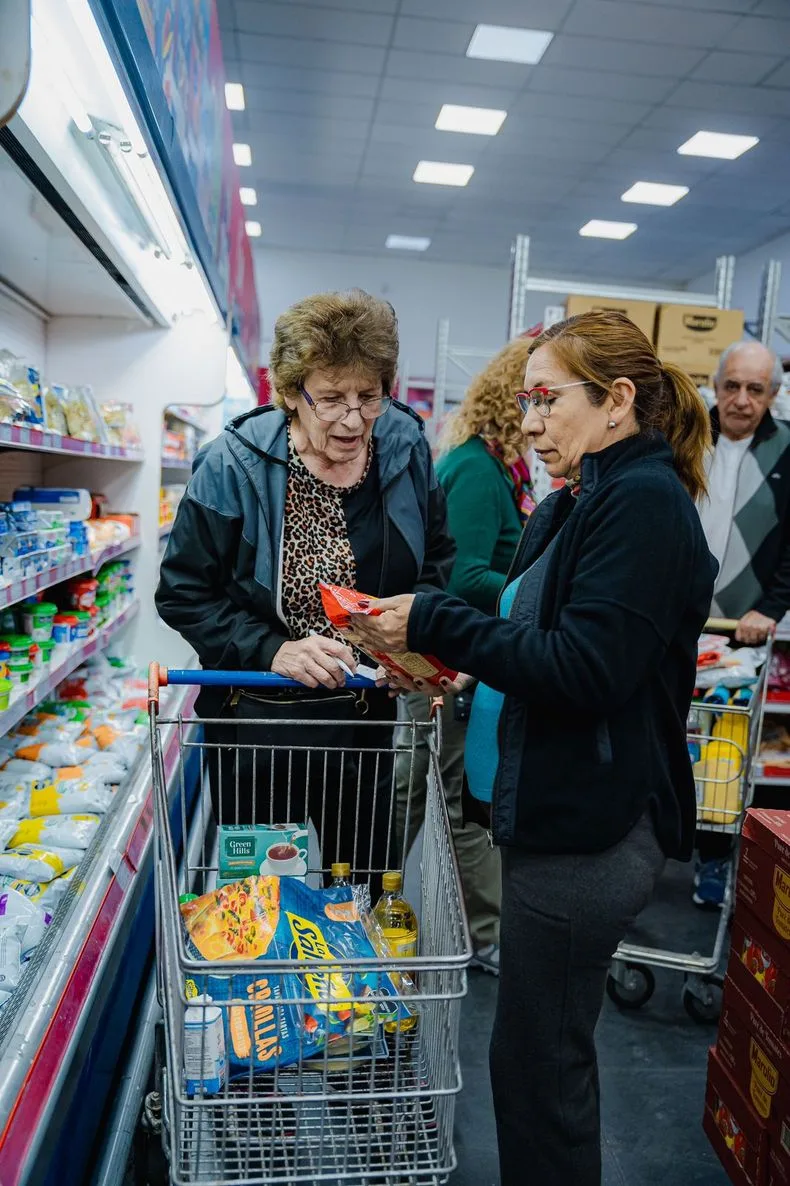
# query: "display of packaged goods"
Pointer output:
{"type": "Point", "coordinates": [120, 424]}
{"type": "Point", "coordinates": [20, 379]}
{"type": "Point", "coordinates": [83, 417]}
{"type": "Point", "coordinates": [764, 869]}
{"type": "Point", "coordinates": [737, 1133]}
{"type": "Point", "coordinates": [54, 402]}
{"type": "Point", "coordinates": [169, 498]}
{"type": "Point", "coordinates": [694, 337]}
{"type": "Point", "coordinates": [73, 504]}
{"type": "Point", "coordinates": [642, 313]}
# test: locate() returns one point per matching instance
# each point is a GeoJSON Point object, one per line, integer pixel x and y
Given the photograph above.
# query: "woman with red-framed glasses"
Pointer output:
{"type": "Point", "coordinates": [578, 729]}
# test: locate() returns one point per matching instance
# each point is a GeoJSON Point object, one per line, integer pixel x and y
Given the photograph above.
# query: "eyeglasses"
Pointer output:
{"type": "Point", "coordinates": [541, 398]}
{"type": "Point", "coordinates": [333, 410]}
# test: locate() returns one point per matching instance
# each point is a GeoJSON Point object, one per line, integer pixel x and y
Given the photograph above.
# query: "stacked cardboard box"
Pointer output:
{"type": "Point", "coordinates": [642, 313]}
{"type": "Point", "coordinates": [747, 1103]}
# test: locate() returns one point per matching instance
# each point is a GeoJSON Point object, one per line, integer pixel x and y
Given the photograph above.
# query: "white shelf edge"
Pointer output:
{"type": "Point", "coordinates": [182, 466]}
{"type": "Point", "coordinates": [184, 418]}
{"type": "Point", "coordinates": [780, 708]}
{"type": "Point", "coordinates": [29, 586]}
{"type": "Point", "coordinates": [22, 705]}
{"type": "Point", "coordinates": [22, 436]}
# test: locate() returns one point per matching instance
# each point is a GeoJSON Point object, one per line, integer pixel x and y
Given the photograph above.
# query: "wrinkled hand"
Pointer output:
{"type": "Point", "coordinates": [397, 683]}
{"type": "Point", "coordinates": [388, 630]}
{"type": "Point", "coordinates": [314, 662]}
{"type": "Point", "coordinates": [753, 628]}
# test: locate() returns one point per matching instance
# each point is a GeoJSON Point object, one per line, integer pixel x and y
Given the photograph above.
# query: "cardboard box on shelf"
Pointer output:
{"type": "Point", "coordinates": [764, 869]}
{"type": "Point", "coordinates": [695, 337]}
{"type": "Point", "coordinates": [736, 1132]}
{"type": "Point", "coordinates": [778, 1164]}
{"type": "Point", "coordinates": [756, 1058]}
{"type": "Point", "coordinates": [759, 967]}
{"type": "Point", "coordinates": [642, 313]}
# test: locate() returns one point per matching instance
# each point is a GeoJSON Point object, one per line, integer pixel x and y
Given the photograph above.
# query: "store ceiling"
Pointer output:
{"type": "Point", "coordinates": [342, 97]}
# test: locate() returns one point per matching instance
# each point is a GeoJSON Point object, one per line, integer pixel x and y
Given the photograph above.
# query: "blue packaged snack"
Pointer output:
{"type": "Point", "coordinates": [288, 1015]}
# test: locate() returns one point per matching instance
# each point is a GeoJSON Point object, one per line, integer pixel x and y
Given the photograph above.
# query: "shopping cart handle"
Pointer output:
{"type": "Point", "coordinates": [243, 679]}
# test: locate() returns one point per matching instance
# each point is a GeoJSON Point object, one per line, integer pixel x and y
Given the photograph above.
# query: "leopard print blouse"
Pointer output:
{"type": "Point", "coordinates": [316, 546]}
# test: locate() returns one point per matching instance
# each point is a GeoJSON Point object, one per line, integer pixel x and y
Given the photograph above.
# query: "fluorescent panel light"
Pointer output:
{"type": "Point", "coordinates": [442, 173]}
{"type": "Point", "coordinates": [502, 43]}
{"type": "Point", "coordinates": [234, 96]}
{"type": "Point", "coordinates": [720, 145]}
{"type": "Point", "coordinates": [407, 243]}
{"type": "Point", "coordinates": [478, 121]}
{"type": "Point", "coordinates": [253, 229]}
{"type": "Point", "coordinates": [248, 196]}
{"type": "Point", "coordinates": [654, 193]}
{"type": "Point", "coordinates": [242, 155]}
{"type": "Point", "coordinates": [600, 228]}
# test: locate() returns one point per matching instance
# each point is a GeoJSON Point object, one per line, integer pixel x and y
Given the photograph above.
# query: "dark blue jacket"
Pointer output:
{"type": "Point", "coordinates": [596, 697]}
{"type": "Point", "coordinates": [220, 580]}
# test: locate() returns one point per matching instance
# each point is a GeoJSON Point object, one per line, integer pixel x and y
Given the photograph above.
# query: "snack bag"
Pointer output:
{"type": "Point", "coordinates": [65, 831]}
{"type": "Point", "coordinates": [270, 918]}
{"type": "Point", "coordinates": [33, 863]}
{"type": "Point", "coordinates": [340, 603]}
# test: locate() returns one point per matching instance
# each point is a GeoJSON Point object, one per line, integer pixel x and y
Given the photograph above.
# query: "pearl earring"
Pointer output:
{"type": "Point", "coordinates": [612, 424]}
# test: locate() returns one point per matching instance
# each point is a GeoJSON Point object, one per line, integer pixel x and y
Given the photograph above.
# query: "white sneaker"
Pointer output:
{"type": "Point", "coordinates": [487, 958]}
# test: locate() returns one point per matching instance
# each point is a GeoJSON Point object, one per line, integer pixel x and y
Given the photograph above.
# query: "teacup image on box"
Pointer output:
{"type": "Point", "coordinates": [247, 850]}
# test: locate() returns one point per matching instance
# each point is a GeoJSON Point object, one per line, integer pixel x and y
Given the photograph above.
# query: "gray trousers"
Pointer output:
{"type": "Point", "coordinates": [477, 859]}
{"type": "Point", "coordinates": [562, 919]}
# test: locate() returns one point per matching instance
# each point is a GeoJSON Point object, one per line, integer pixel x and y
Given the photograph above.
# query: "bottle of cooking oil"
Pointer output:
{"type": "Point", "coordinates": [341, 874]}
{"type": "Point", "coordinates": [398, 923]}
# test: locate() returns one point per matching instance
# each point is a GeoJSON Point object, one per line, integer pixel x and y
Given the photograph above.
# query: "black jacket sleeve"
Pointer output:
{"type": "Point", "coordinates": [628, 593]}
{"type": "Point", "coordinates": [192, 596]}
{"type": "Point", "coordinates": [440, 550]}
{"type": "Point", "coordinates": [775, 601]}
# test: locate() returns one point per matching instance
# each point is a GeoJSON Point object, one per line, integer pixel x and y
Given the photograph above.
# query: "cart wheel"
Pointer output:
{"type": "Point", "coordinates": [636, 988]}
{"type": "Point", "coordinates": [702, 1002]}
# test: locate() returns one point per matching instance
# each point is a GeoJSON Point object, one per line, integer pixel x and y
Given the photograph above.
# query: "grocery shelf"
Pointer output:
{"type": "Point", "coordinates": [21, 436]}
{"type": "Point", "coordinates": [185, 418]}
{"type": "Point", "coordinates": [764, 781]}
{"type": "Point", "coordinates": [19, 590]}
{"type": "Point", "coordinates": [181, 467]}
{"type": "Point", "coordinates": [20, 706]}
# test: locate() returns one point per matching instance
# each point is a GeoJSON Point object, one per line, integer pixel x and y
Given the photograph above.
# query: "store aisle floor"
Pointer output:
{"type": "Point", "coordinates": [652, 1069]}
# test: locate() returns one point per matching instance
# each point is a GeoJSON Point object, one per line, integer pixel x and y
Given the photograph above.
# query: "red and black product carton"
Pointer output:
{"type": "Point", "coordinates": [736, 1132]}
{"type": "Point", "coordinates": [778, 1165]}
{"type": "Point", "coordinates": [756, 1059]}
{"type": "Point", "coordinates": [759, 967]}
{"type": "Point", "coordinates": [764, 869]}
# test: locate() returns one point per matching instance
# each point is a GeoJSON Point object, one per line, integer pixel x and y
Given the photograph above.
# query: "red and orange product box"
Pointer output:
{"type": "Point", "coordinates": [738, 1135]}
{"type": "Point", "coordinates": [764, 869]}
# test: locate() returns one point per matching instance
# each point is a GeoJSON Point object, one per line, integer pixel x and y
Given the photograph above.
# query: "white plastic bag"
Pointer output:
{"type": "Point", "coordinates": [57, 753]}
{"type": "Point", "coordinates": [10, 957]}
{"type": "Point", "coordinates": [83, 796]}
{"type": "Point", "coordinates": [33, 862]}
{"type": "Point", "coordinates": [64, 831]}
{"type": "Point", "coordinates": [46, 894]}
{"type": "Point", "coordinates": [34, 771]}
{"type": "Point", "coordinates": [16, 908]}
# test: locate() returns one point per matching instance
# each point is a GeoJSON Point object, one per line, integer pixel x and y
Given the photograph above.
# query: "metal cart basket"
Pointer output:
{"type": "Point", "coordinates": [723, 740]}
{"type": "Point", "coordinates": [377, 1105]}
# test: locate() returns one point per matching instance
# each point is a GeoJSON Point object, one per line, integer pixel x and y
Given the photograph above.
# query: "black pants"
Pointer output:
{"type": "Point", "coordinates": [562, 919]}
{"type": "Point", "coordinates": [292, 769]}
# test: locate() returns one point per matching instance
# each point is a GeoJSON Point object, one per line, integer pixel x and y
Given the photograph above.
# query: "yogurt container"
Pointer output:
{"type": "Point", "coordinates": [6, 688]}
{"type": "Point", "coordinates": [83, 626]}
{"type": "Point", "coordinates": [38, 619]}
{"type": "Point", "coordinates": [18, 645]}
{"type": "Point", "coordinates": [82, 593]}
{"type": "Point", "coordinates": [20, 670]}
{"type": "Point", "coordinates": [46, 649]}
{"type": "Point", "coordinates": [63, 628]}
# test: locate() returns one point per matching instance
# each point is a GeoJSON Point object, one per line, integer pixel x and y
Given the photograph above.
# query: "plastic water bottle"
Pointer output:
{"type": "Point", "coordinates": [204, 1047]}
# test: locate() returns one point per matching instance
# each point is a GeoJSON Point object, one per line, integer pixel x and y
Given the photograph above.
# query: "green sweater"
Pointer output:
{"type": "Point", "coordinates": [483, 520]}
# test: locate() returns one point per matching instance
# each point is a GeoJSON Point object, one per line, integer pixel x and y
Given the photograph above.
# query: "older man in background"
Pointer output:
{"type": "Point", "coordinates": [746, 518]}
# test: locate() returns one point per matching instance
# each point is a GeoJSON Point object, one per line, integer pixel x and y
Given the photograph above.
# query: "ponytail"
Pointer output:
{"type": "Point", "coordinates": [686, 425]}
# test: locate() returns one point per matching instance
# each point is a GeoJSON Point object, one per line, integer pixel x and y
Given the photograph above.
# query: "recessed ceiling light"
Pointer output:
{"type": "Point", "coordinates": [248, 196]}
{"type": "Point", "coordinates": [442, 173]}
{"type": "Point", "coordinates": [502, 43]}
{"type": "Point", "coordinates": [234, 96]}
{"type": "Point", "coordinates": [599, 228]}
{"type": "Point", "coordinates": [242, 155]}
{"type": "Point", "coordinates": [478, 121]}
{"type": "Point", "coordinates": [722, 145]}
{"type": "Point", "coordinates": [253, 229]}
{"type": "Point", "coordinates": [407, 243]}
{"type": "Point", "coordinates": [654, 193]}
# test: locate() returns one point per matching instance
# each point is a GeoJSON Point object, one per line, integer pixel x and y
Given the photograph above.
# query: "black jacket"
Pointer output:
{"type": "Point", "coordinates": [221, 575]}
{"type": "Point", "coordinates": [596, 698]}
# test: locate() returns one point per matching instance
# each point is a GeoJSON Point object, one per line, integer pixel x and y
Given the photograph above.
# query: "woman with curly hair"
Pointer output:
{"type": "Point", "coordinates": [489, 496]}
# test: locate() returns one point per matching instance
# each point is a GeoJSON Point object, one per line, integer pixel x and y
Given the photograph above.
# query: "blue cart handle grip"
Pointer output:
{"type": "Point", "coordinates": [244, 679]}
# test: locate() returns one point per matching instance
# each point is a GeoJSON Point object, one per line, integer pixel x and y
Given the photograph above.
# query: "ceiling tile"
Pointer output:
{"type": "Point", "coordinates": [629, 57]}
{"type": "Point", "coordinates": [590, 109]}
{"type": "Point", "coordinates": [780, 77]}
{"type": "Point", "coordinates": [327, 106]}
{"type": "Point", "coordinates": [721, 99]}
{"type": "Point", "coordinates": [455, 68]}
{"type": "Point", "coordinates": [655, 23]}
{"type": "Point", "coordinates": [525, 14]}
{"type": "Point", "coordinates": [754, 34]}
{"type": "Point", "coordinates": [296, 80]}
{"type": "Point", "coordinates": [397, 90]}
{"type": "Point", "coordinates": [431, 36]}
{"type": "Point", "coordinates": [625, 88]}
{"type": "Point", "coordinates": [310, 55]}
{"type": "Point", "coordinates": [319, 23]}
{"type": "Point", "coordinates": [743, 69]}
{"type": "Point", "coordinates": [681, 6]}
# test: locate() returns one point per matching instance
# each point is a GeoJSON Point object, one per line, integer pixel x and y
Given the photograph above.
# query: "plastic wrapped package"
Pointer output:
{"type": "Point", "coordinates": [53, 400]}
{"type": "Point", "coordinates": [33, 862]}
{"type": "Point", "coordinates": [57, 753]}
{"type": "Point", "coordinates": [16, 908]}
{"type": "Point", "coordinates": [86, 796]}
{"type": "Point", "coordinates": [17, 377]}
{"type": "Point", "coordinates": [11, 964]}
{"type": "Point", "coordinates": [120, 424]}
{"type": "Point", "coordinates": [26, 771]}
{"type": "Point", "coordinates": [82, 416]}
{"type": "Point", "coordinates": [64, 831]}
{"type": "Point", "coordinates": [46, 894]}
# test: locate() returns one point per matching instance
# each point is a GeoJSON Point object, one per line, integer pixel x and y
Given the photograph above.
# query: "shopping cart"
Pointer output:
{"type": "Point", "coordinates": [723, 740]}
{"type": "Point", "coordinates": [377, 1109]}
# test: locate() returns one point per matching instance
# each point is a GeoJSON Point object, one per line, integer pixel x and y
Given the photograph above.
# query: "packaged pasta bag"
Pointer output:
{"type": "Point", "coordinates": [269, 919]}
{"type": "Point", "coordinates": [64, 831]}
{"type": "Point", "coordinates": [32, 862]}
{"type": "Point", "coordinates": [340, 603]}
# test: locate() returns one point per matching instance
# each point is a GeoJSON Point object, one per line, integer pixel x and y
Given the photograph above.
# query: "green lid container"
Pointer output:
{"type": "Point", "coordinates": [17, 642]}
{"type": "Point", "coordinates": [46, 648]}
{"type": "Point", "coordinates": [44, 609]}
{"type": "Point", "coordinates": [81, 615]}
{"type": "Point", "coordinates": [187, 898]}
{"type": "Point", "coordinates": [103, 600]}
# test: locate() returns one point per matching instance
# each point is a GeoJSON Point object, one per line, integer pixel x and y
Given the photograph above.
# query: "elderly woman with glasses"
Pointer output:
{"type": "Point", "coordinates": [578, 727]}
{"type": "Point", "coordinates": [334, 483]}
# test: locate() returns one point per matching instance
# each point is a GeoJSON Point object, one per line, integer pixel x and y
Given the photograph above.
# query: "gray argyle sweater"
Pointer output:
{"type": "Point", "coordinates": [755, 571]}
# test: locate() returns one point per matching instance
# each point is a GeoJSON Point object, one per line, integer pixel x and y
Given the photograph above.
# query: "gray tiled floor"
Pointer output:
{"type": "Point", "coordinates": [652, 1070]}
